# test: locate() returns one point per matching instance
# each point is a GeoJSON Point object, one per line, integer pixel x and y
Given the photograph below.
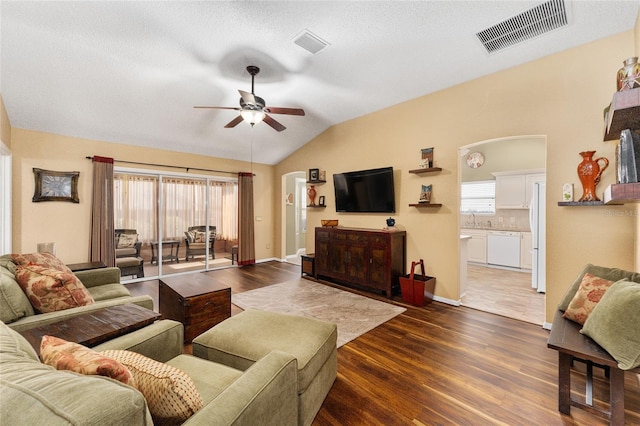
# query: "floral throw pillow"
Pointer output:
{"type": "Point", "coordinates": [586, 298]}
{"type": "Point", "coordinates": [51, 290]}
{"type": "Point", "coordinates": [63, 355]}
{"type": "Point", "coordinates": [43, 259]}
{"type": "Point", "coordinates": [170, 393]}
{"type": "Point", "coordinates": [127, 240]}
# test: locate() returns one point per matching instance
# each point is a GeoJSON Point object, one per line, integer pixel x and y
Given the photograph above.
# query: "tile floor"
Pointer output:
{"type": "Point", "coordinates": [503, 292]}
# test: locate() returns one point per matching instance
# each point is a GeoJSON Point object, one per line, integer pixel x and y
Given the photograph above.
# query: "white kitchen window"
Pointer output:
{"type": "Point", "coordinates": [478, 197]}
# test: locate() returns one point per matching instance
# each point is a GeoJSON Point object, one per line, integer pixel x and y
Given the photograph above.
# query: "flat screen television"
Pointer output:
{"type": "Point", "coordinates": [365, 191]}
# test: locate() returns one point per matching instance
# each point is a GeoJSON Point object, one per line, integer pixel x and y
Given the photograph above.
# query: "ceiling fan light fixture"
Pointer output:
{"type": "Point", "coordinates": [253, 116]}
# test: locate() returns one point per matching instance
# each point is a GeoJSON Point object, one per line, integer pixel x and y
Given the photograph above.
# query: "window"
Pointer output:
{"type": "Point", "coordinates": [478, 197]}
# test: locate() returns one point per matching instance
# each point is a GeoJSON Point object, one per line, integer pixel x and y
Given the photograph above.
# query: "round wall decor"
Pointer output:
{"type": "Point", "coordinates": [475, 160]}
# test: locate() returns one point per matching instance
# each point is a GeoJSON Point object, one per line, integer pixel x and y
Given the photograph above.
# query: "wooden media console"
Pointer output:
{"type": "Point", "coordinates": [369, 258]}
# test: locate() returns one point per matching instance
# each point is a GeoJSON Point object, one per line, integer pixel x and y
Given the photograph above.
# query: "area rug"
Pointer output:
{"type": "Point", "coordinates": [354, 314]}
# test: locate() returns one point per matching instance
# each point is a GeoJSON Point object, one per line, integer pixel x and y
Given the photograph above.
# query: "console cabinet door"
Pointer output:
{"type": "Point", "coordinates": [368, 258]}
{"type": "Point", "coordinates": [337, 262]}
{"type": "Point", "coordinates": [379, 269]}
{"type": "Point", "coordinates": [322, 251]}
{"type": "Point", "coordinates": [357, 263]}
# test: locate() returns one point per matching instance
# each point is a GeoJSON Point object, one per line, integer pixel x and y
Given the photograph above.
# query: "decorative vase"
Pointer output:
{"type": "Point", "coordinates": [589, 172]}
{"type": "Point", "coordinates": [390, 222]}
{"type": "Point", "coordinates": [629, 74]}
{"type": "Point", "coordinates": [312, 195]}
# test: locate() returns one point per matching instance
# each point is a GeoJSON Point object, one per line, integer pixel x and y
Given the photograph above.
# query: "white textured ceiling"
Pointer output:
{"type": "Point", "coordinates": [130, 72]}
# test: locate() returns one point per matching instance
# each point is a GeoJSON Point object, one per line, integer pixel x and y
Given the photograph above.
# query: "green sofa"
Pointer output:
{"type": "Point", "coordinates": [103, 284]}
{"type": "Point", "coordinates": [34, 393]}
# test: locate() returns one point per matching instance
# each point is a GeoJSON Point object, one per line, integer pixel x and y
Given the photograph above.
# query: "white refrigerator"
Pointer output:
{"type": "Point", "coordinates": [537, 220]}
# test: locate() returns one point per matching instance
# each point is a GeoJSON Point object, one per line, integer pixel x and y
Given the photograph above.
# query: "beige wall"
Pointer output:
{"type": "Point", "coordinates": [68, 224]}
{"type": "Point", "coordinates": [561, 96]}
{"type": "Point", "coordinates": [5, 126]}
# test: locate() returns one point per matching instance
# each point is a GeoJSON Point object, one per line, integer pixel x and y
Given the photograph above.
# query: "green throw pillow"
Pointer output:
{"type": "Point", "coordinates": [613, 323]}
{"type": "Point", "coordinates": [611, 274]}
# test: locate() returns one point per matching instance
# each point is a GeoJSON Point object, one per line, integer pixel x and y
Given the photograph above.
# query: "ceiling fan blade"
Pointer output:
{"type": "Point", "coordinates": [288, 111]}
{"type": "Point", "coordinates": [273, 123]}
{"type": "Point", "coordinates": [234, 122]}
{"type": "Point", "coordinates": [217, 107]}
{"type": "Point", "coordinates": [247, 97]}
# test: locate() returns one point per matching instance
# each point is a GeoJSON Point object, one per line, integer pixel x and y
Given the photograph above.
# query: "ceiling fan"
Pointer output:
{"type": "Point", "coordinates": [253, 108]}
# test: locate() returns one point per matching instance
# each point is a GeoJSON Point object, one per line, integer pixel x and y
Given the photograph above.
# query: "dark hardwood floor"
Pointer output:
{"type": "Point", "coordinates": [441, 365]}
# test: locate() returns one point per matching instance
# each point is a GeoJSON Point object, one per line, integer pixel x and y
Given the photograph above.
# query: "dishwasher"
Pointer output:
{"type": "Point", "coordinates": [503, 248]}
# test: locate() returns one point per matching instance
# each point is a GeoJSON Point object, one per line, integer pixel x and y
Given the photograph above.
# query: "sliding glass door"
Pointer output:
{"type": "Point", "coordinates": [184, 223]}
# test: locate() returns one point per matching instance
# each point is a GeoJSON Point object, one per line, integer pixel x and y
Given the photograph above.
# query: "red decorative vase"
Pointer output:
{"type": "Point", "coordinates": [589, 172]}
{"type": "Point", "coordinates": [312, 195]}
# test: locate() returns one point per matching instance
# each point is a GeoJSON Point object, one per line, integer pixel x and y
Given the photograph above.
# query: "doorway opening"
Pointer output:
{"type": "Point", "coordinates": [495, 205]}
{"type": "Point", "coordinates": [294, 217]}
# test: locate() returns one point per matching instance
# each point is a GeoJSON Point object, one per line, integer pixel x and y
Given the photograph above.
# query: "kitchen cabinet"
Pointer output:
{"type": "Point", "coordinates": [515, 189]}
{"type": "Point", "coordinates": [477, 245]}
{"type": "Point", "coordinates": [525, 250]}
{"type": "Point", "coordinates": [363, 257]}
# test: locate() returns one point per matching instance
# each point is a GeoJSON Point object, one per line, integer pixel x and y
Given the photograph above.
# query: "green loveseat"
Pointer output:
{"type": "Point", "coordinates": [32, 393]}
{"type": "Point", "coordinates": [103, 284]}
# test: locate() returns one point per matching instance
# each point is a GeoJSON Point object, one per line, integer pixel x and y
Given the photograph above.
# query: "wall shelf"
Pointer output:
{"type": "Point", "coordinates": [621, 193]}
{"type": "Point", "coordinates": [315, 206]}
{"type": "Point", "coordinates": [580, 203]}
{"type": "Point", "coordinates": [427, 170]}
{"type": "Point", "coordinates": [316, 182]}
{"type": "Point", "coordinates": [623, 113]}
{"type": "Point", "coordinates": [425, 205]}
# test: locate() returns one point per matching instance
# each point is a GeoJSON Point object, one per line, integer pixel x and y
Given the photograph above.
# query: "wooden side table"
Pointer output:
{"type": "Point", "coordinates": [85, 266]}
{"type": "Point", "coordinates": [309, 265]}
{"type": "Point", "coordinates": [173, 247]}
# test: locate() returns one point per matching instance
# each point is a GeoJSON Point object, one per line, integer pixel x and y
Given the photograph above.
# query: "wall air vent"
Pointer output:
{"type": "Point", "coordinates": [539, 20]}
{"type": "Point", "coordinates": [310, 42]}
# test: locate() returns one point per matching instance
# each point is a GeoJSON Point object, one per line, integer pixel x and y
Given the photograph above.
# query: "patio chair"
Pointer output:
{"type": "Point", "coordinates": [127, 247]}
{"type": "Point", "coordinates": [195, 241]}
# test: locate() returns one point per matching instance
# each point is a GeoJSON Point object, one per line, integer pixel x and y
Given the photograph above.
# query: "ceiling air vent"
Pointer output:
{"type": "Point", "coordinates": [539, 20]}
{"type": "Point", "coordinates": [310, 42]}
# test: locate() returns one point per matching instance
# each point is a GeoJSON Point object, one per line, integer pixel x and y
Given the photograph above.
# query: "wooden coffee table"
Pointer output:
{"type": "Point", "coordinates": [96, 327]}
{"type": "Point", "coordinates": [195, 300]}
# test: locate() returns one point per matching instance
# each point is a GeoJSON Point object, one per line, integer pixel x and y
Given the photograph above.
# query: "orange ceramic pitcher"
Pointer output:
{"type": "Point", "coordinates": [589, 172]}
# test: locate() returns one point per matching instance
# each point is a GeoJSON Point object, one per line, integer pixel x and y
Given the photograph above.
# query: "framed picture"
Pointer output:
{"type": "Point", "coordinates": [426, 160]}
{"type": "Point", "coordinates": [55, 186]}
{"type": "Point", "coordinates": [323, 175]}
{"type": "Point", "coordinates": [321, 200]}
{"type": "Point", "coordinates": [314, 174]}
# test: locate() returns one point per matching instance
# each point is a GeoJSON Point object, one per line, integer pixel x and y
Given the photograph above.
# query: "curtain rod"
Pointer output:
{"type": "Point", "coordinates": [173, 167]}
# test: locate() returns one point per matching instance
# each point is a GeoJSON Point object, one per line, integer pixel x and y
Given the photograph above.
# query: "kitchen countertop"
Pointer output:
{"type": "Point", "coordinates": [494, 228]}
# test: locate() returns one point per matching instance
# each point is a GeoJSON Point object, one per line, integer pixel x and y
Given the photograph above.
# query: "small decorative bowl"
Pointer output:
{"type": "Point", "coordinates": [329, 223]}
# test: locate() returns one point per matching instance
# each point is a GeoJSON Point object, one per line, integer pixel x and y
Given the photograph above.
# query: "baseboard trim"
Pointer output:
{"type": "Point", "coordinates": [447, 301]}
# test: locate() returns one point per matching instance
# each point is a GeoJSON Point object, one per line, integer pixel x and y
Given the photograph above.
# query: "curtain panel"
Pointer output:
{"type": "Point", "coordinates": [246, 233]}
{"type": "Point", "coordinates": [102, 245]}
{"type": "Point", "coordinates": [184, 205]}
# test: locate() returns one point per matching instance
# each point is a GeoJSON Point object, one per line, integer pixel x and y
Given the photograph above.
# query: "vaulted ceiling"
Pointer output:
{"type": "Point", "coordinates": [131, 72]}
